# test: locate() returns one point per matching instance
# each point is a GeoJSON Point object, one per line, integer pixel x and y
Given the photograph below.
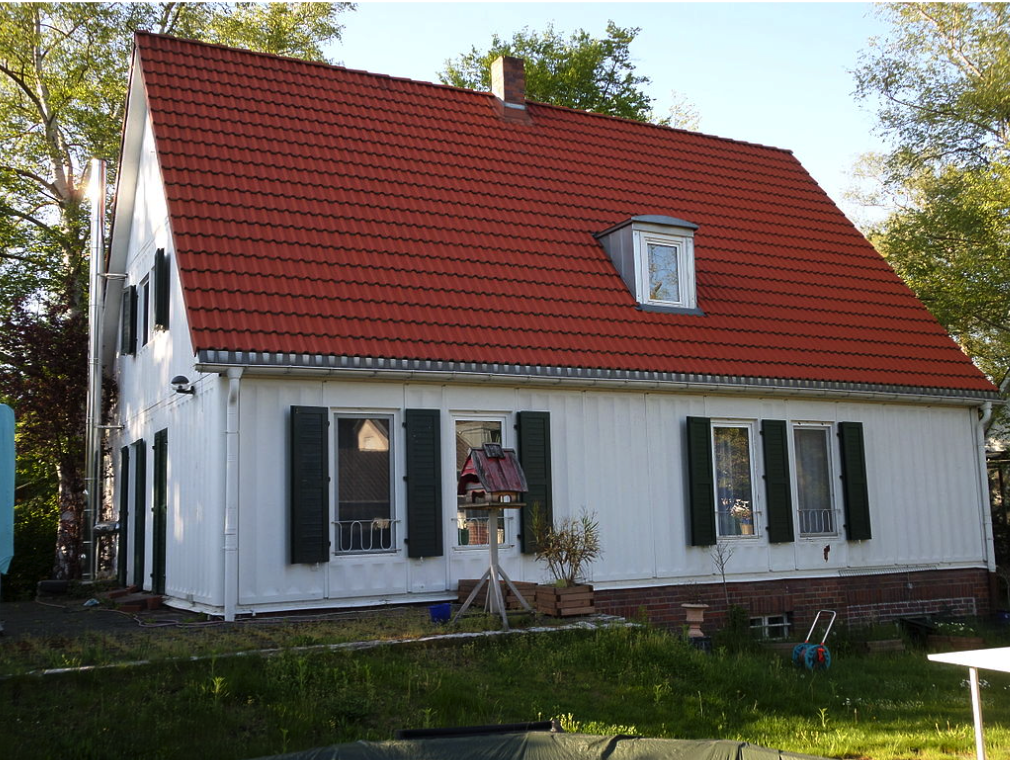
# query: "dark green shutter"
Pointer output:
{"type": "Point", "coordinates": [139, 512]}
{"type": "Point", "coordinates": [160, 522]}
{"type": "Point", "coordinates": [701, 481]}
{"type": "Point", "coordinates": [854, 491]}
{"type": "Point", "coordinates": [535, 458]}
{"type": "Point", "coordinates": [778, 490]}
{"type": "Point", "coordinates": [161, 288]}
{"type": "Point", "coordinates": [124, 514]}
{"type": "Point", "coordinates": [128, 325]}
{"type": "Point", "coordinates": [310, 484]}
{"type": "Point", "coordinates": [424, 483]}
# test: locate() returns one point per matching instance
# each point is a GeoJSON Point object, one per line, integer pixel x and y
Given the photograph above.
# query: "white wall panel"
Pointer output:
{"type": "Point", "coordinates": [621, 455]}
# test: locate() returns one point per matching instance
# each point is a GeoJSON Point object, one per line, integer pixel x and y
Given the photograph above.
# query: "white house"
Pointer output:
{"type": "Point", "coordinates": [336, 282]}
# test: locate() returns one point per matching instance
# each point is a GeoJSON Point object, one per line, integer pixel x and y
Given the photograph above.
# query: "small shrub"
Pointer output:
{"type": "Point", "coordinates": [736, 635]}
{"type": "Point", "coordinates": [568, 547]}
{"type": "Point", "coordinates": [35, 521]}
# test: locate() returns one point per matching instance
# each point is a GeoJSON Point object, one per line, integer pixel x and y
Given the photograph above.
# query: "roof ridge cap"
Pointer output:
{"type": "Point", "coordinates": [698, 133]}
{"type": "Point", "coordinates": [324, 64]}
{"type": "Point", "coordinates": [440, 85]}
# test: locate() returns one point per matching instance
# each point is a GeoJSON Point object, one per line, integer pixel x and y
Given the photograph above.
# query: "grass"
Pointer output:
{"type": "Point", "coordinates": [618, 680]}
{"type": "Point", "coordinates": [168, 641]}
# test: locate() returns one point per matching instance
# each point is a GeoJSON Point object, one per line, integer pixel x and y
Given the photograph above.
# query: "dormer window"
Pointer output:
{"type": "Point", "coordinates": [655, 257]}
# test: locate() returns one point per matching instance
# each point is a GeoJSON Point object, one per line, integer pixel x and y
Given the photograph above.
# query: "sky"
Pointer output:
{"type": "Point", "coordinates": [772, 73]}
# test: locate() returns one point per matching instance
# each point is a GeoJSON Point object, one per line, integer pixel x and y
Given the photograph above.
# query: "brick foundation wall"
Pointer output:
{"type": "Point", "coordinates": [858, 599]}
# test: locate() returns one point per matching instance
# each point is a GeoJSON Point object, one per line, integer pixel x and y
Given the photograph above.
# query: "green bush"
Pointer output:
{"type": "Point", "coordinates": [35, 522]}
{"type": "Point", "coordinates": [736, 636]}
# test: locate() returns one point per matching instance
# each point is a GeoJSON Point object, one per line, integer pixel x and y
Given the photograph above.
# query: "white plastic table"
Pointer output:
{"type": "Point", "coordinates": [975, 660]}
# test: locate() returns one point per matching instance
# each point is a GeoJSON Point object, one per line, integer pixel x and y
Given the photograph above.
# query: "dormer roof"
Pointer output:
{"type": "Point", "coordinates": [318, 211]}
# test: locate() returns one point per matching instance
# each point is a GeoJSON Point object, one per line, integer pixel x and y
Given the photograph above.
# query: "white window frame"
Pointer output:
{"type": "Point", "coordinates": [751, 427]}
{"type": "Point", "coordinates": [779, 623]}
{"type": "Point", "coordinates": [395, 538]}
{"type": "Point", "coordinates": [644, 236]}
{"type": "Point", "coordinates": [507, 517]}
{"type": "Point", "coordinates": [833, 470]}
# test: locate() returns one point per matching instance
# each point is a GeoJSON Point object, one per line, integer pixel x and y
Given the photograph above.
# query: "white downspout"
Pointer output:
{"type": "Point", "coordinates": [231, 489]}
{"type": "Point", "coordinates": [92, 462]}
{"type": "Point", "coordinates": [983, 480]}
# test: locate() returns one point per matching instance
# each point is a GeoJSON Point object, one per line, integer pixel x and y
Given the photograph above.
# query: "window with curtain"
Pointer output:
{"type": "Point", "coordinates": [734, 493]}
{"type": "Point", "coordinates": [813, 480]}
{"type": "Point", "coordinates": [364, 506]}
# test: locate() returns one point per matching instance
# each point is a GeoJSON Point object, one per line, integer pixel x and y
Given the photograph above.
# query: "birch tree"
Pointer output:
{"type": "Point", "coordinates": [63, 76]}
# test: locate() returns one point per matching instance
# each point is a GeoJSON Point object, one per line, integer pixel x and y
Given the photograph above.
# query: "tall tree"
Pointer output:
{"type": "Point", "coordinates": [582, 71]}
{"type": "Point", "coordinates": [941, 85]}
{"type": "Point", "coordinates": [63, 74]}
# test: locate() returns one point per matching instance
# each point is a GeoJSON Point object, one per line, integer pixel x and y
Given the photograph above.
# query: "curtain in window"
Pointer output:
{"type": "Point", "coordinates": [363, 503]}
{"type": "Point", "coordinates": [813, 480]}
{"type": "Point", "coordinates": [734, 498]}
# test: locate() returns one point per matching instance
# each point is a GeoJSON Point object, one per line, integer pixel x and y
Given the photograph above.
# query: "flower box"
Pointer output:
{"type": "Point", "coordinates": [564, 601]}
{"type": "Point", "coordinates": [883, 646]}
{"type": "Point", "coordinates": [938, 642]}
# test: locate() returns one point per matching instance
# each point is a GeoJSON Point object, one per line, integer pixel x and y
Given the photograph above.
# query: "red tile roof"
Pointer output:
{"type": "Point", "coordinates": [320, 210]}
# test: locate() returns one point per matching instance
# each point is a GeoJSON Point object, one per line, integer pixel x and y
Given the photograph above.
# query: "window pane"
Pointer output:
{"type": "Point", "coordinates": [471, 524]}
{"type": "Point", "coordinates": [733, 498]}
{"type": "Point", "coordinates": [363, 497]}
{"type": "Point", "coordinates": [472, 434]}
{"type": "Point", "coordinates": [664, 281]}
{"type": "Point", "coordinates": [813, 480]}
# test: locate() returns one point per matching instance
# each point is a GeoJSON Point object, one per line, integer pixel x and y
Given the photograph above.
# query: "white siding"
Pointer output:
{"type": "Point", "coordinates": [621, 456]}
{"type": "Point", "coordinates": [147, 404]}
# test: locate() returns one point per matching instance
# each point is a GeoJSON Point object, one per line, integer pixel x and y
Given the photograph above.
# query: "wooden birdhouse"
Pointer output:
{"type": "Point", "coordinates": [492, 475]}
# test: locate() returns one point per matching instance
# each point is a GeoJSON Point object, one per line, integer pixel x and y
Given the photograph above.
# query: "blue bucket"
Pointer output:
{"type": "Point", "coordinates": [440, 613]}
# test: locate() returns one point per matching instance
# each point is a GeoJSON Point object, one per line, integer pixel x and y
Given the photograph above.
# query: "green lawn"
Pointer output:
{"type": "Point", "coordinates": [606, 681]}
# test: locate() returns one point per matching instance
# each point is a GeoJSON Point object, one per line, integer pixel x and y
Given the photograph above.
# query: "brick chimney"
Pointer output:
{"type": "Point", "coordinates": [508, 84]}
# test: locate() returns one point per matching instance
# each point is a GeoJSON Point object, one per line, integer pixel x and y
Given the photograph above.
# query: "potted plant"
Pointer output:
{"type": "Point", "coordinates": [744, 515]}
{"type": "Point", "coordinates": [567, 549]}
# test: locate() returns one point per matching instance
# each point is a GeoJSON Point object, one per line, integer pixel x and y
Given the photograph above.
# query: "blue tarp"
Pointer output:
{"type": "Point", "coordinates": [6, 487]}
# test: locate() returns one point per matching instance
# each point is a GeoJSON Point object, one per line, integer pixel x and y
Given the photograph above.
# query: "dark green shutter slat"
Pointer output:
{"type": "Point", "coordinates": [310, 484]}
{"type": "Point", "coordinates": [854, 489]}
{"type": "Point", "coordinates": [161, 288]}
{"type": "Point", "coordinates": [701, 481]}
{"type": "Point", "coordinates": [140, 512]}
{"type": "Point", "coordinates": [535, 458]}
{"type": "Point", "coordinates": [778, 490]}
{"type": "Point", "coordinates": [124, 514]}
{"type": "Point", "coordinates": [424, 483]}
{"type": "Point", "coordinates": [160, 522]}
{"type": "Point", "coordinates": [128, 326]}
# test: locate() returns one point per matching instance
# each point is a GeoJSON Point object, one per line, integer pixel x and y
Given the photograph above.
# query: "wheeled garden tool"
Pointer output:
{"type": "Point", "coordinates": [815, 656]}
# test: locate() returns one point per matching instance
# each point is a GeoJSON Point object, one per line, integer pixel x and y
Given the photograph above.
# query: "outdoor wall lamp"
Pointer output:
{"type": "Point", "coordinates": [182, 385]}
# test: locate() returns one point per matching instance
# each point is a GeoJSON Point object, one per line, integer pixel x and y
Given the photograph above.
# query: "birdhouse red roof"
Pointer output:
{"type": "Point", "coordinates": [318, 211]}
{"type": "Point", "coordinates": [494, 468]}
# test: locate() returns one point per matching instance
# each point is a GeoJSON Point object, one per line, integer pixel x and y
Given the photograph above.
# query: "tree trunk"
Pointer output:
{"type": "Point", "coordinates": [70, 534]}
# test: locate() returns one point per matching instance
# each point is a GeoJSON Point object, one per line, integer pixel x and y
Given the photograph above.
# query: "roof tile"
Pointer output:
{"type": "Point", "coordinates": [321, 210]}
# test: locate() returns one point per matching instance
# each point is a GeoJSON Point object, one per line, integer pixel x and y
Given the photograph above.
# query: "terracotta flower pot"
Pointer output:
{"type": "Point", "coordinates": [695, 617]}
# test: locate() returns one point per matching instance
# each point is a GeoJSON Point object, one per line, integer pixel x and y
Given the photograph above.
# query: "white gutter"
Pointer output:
{"type": "Point", "coordinates": [985, 511]}
{"type": "Point", "coordinates": [92, 459]}
{"type": "Point", "coordinates": [231, 489]}
{"type": "Point", "coordinates": [510, 379]}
